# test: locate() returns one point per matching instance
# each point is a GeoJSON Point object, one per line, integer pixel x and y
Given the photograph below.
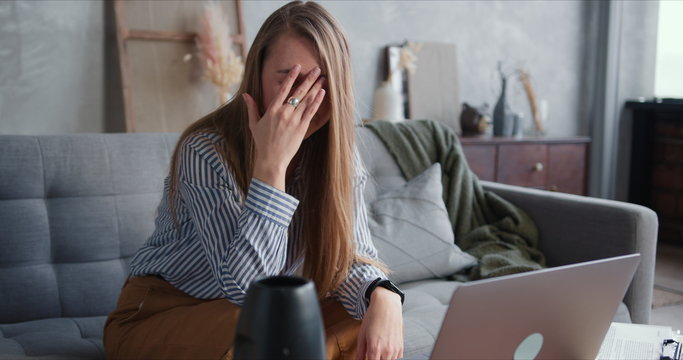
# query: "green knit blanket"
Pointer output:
{"type": "Point", "coordinates": [502, 236]}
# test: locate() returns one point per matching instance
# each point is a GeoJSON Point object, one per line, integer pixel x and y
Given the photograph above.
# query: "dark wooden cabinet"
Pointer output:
{"type": "Point", "coordinates": [557, 164]}
{"type": "Point", "coordinates": [656, 166]}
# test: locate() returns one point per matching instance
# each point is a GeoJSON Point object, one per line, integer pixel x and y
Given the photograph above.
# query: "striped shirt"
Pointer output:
{"type": "Point", "coordinates": [225, 242]}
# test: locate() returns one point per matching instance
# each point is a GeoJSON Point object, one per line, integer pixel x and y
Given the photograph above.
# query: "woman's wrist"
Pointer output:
{"type": "Point", "coordinates": [380, 283]}
{"type": "Point", "coordinates": [381, 294]}
{"type": "Point", "coordinates": [271, 175]}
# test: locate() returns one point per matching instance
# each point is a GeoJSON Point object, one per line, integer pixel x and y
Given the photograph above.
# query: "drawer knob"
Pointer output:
{"type": "Point", "coordinates": [538, 166]}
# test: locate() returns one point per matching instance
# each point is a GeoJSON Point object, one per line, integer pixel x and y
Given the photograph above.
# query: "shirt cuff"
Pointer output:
{"type": "Point", "coordinates": [364, 301]}
{"type": "Point", "coordinates": [267, 201]}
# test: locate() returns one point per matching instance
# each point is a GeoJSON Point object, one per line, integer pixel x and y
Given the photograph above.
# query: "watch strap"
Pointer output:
{"type": "Point", "coordinates": [387, 284]}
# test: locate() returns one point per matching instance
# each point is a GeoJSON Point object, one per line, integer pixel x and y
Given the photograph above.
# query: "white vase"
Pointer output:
{"type": "Point", "coordinates": [387, 103]}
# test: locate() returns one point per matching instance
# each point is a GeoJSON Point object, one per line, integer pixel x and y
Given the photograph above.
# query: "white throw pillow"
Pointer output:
{"type": "Point", "coordinates": [412, 233]}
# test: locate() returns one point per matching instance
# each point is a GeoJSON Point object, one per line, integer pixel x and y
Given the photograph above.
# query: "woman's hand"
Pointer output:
{"type": "Point", "coordinates": [381, 333]}
{"type": "Point", "coordinates": [278, 134]}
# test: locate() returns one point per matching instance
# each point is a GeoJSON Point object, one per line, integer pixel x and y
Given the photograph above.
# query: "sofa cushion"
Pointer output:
{"type": "Point", "coordinates": [74, 209]}
{"type": "Point", "coordinates": [423, 311]}
{"type": "Point", "coordinates": [70, 338]}
{"type": "Point", "coordinates": [412, 233]}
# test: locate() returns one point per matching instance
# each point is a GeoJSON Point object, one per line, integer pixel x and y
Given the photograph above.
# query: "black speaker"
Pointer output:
{"type": "Point", "coordinates": [280, 319]}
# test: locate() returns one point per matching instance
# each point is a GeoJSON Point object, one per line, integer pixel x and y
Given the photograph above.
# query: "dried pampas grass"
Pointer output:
{"type": "Point", "coordinates": [216, 54]}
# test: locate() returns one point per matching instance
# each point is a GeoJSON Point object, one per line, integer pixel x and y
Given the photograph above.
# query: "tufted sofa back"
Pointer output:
{"type": "Point", "coordinates": [73, 210]}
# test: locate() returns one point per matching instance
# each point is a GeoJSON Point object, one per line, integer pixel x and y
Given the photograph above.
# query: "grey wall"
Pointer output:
{"type": "Point", "coordinates": [561, 44]}
{"type": "Point", "coordinates": [545, 38]}
{"type": "Point", "coordinates": [56, 74]}
{"type": "Point", "coordinates": [59, 71]}
{"type": "Point", "coordinates": [51, 67]}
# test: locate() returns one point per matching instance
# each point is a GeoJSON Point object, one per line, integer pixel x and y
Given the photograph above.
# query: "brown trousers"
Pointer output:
{"type": "Point", "coordinates": [154, 320]}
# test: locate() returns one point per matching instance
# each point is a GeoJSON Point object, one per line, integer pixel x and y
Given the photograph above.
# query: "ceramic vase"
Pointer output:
{"type": "Point", "coordinates": [387, 103]}
{"type": "Point", "coordinates": [280, 319]}
{"type": "Point", "coordinates": [502, 115]}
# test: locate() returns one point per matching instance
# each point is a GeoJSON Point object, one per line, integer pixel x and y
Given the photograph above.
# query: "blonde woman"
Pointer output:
{"type": "Point", "coordinates": [267, 184]}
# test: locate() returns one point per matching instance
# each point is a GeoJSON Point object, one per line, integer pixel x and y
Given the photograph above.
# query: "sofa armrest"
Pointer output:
{"type": "Point", "coordinates": [576, 228]}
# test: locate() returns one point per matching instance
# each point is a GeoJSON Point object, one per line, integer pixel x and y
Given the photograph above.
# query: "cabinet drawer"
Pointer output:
{"type": "Point", "coordinates": [567, 168]}
{"type": "Point", "coordinates": [482, 160]}
{"type": "Point", "coordinates": [523, 164]}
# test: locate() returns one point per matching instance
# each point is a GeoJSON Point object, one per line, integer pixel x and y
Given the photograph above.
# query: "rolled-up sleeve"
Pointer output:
{"type": "Point", "coordinates": [241, 240]}
{"type": "Point", "coordinates": [351, 293]}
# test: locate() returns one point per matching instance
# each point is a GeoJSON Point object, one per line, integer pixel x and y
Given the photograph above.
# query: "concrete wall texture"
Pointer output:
{"type": "Point", "coordinates": [51, 67]}
{"type": "Point", "coordinates": [52, 74]}
{"type": "Point", "coordinates": [545, 38]}
{"type": "Point", "coordinates": [59, 67]}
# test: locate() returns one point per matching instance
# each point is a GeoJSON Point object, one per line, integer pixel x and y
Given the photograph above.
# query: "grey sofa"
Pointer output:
{"type": "Point", "coordinates": [74, 209]}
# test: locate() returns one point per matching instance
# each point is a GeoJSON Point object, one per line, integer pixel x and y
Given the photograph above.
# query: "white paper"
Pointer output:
{"type": "Point", "coordinates": [634, 341]}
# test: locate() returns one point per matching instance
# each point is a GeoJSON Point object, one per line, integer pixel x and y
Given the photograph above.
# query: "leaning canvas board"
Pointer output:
{"type": "Point", "coordinates": [163, 85]}
{"type": "Point", "coordinates": [168, 93]}
{"type": "Point", "coordinates": [433, 86]}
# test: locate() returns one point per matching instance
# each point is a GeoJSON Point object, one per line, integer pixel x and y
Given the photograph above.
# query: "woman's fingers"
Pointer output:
{"type": "Point", "coordinates": [304, 88]}
{"type": "Point", "coordinates": [286, 86]}
{"type": "Point", "coordinates": [310, 109]}
{"type": "Point", "coordinates": [306, 93]}
{"type": "Point", "coordinates": [309, 100]}
{"type": "Point", "coordinates": [278, 132]}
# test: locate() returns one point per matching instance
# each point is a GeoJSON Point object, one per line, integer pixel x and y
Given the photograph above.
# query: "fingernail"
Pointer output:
{"type": "Point", "coordinates": [316, 71]}
{"type": "Point", "coordinates": [297, 67]}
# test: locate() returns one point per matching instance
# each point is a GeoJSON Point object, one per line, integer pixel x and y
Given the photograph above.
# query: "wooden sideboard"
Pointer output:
{"type": "Point", "coordinates": [556, 164]}
{"type": "Point", "coordinates": [656, 178]}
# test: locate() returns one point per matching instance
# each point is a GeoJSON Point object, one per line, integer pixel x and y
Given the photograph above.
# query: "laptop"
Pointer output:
{"type": "Point", "coordinates": [562, 312]}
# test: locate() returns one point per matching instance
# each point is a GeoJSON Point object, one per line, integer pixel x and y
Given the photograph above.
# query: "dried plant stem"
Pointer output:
{"type": "Point", "coordinates": [526, 82]}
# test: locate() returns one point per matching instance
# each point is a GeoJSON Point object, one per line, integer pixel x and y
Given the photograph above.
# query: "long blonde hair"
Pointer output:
{"type": "Point", "coordinates": [328, 204]}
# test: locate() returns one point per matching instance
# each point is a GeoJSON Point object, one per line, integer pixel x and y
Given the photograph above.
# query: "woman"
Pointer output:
{"type": "Point", "coordinates": [267, 184]}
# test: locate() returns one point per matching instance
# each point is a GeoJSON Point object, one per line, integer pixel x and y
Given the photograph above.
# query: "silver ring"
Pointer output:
{"type": "Point", "coordinates": [293, 101]}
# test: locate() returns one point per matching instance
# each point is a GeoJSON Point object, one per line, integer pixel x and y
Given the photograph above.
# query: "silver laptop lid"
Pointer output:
{"type": "Point", "coordinates": [562, 312]}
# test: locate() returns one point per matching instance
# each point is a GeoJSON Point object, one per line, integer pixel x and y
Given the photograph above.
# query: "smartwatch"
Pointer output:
{"type": "Point", "coordinates": [387, 284]}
